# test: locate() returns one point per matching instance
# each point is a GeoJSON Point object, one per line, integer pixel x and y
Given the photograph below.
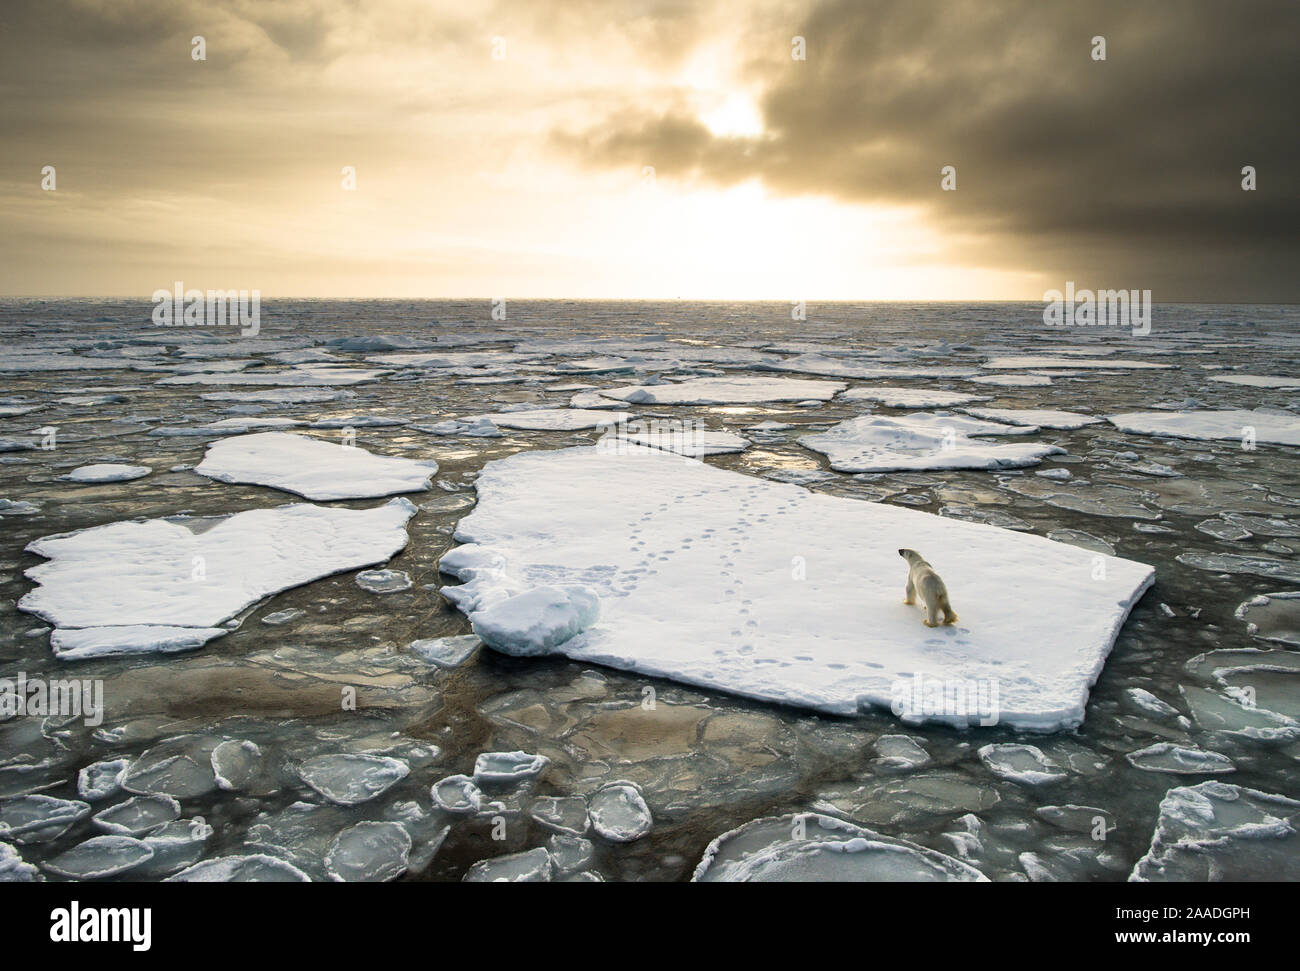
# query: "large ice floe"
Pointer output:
{"type": "Point", "coordinates": [134, 586]}
{"type": "Point", "coordinates": [1220, 832]}
{"type": "Point", "coordinates": [724, 391]}
{"type": "Point", "coordinates": [1240, 424]}
{"type": "Point", "coordinates": [313, 469]}
{"type": "Point", "coordinates": [879, 443]}
{"type": "Point", "coordinates": [669, 567]}
{"type": "Point", "coordinates": [810, 847]}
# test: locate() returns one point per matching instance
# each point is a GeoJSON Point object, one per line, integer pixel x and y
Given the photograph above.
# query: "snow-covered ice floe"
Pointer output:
{"type": "Point", "coordinates": [313, 469]}
{"type": "Point", "coordinates": [769, 591]}
{"type": "Point", "coordinates": [1262, 426]}
{"type": "Point", "coordinates": [1042, 417]}
{"type": "Point", "coordinates": [1258, 380]}
{"type": "Point", "coordinates": [810, 847]}
{"type": "Point", "coordinates": [1220, 832]}
{"type": "Point", "coordinates": [131, 585]}
{"type": "Point", "coordinates": [549, 419]}
{"type": "Point", "coordinates": [107, 472]}
{"type": "Point", "coordinates": [723, 391]}
{"type": "Point", "coordinates": [892, 397]}
{"type": "Point", "coordinates": [878, 443]}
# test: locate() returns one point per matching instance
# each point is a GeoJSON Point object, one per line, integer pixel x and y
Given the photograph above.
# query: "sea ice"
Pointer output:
{"type": "Point", "coordinates": [100, 857]}
{"type": "Point", "coordinates": [107, 472]}
{"type": "Point", "coordinates": [137, 815]}
{"type": "Point", "coordinates": [253, 868]}
{"type": "Point", "coordinates": [311, 468]}
{"type": "Point", "coordinates": [729, 390]}
{"type": "Point", "coordinates": [446, 652]}
{"type": "Point", "coordinates": [1014, 380]}
{"type": "Point", "coordinates": [143, 573]}
{"type": "Point", "coordinates": [13, 869]}
{"type": "Point", "coordinates": [892, 397]}
{"type": "Point", "coordinates": [100, 780]}
{"type": "Point", "coordinates": [531, 866]}
{"type": "Point", "coordinates": [1025, 764]}
{"type": "Point", "coordinates": [235, 762]}
{"type": "Point", "coordinates": [1258, 380]}
{"type": "Point", "coordinates": [924, 441]}
{"type": "Point", "coordinates": [1026, 361]}
{"type": "Point", "coordinates": [1273, 617]}
{"type": "Point", "coordinates": [777, 593]}
{"type": "Point", "coordinates": [563, 814]}
{"type": "Point", "coordinates": [369, 852]}
{"type": "Point", "coordinates": [80, 643]}
{"type": "Point", "coordinates": [810, 847]}
{"type": "Point", "coordinates": [457, 794]}
{"type": "Point", "coordinates": [1261, 426]}
{"type": "Point", "coordinates": [32, 818]}
{"type": "Point", "coordinates": [349, 780]}
{"type": "Point", "coordinates": [1174, 759]}
{"type": "Point", "coordinates": [383, 581]}
{"type": "Point", "coordinates": [1042, 417]}
{"type": "Point", "coordinates": [619, 812]}
{"type": "Point", "coordinates": [1219, 832]}
{"type": "Point", "coordinates": [508, 766]}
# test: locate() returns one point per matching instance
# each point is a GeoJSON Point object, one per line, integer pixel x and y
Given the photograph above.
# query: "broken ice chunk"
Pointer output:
{"type": "Point", "coordinates": [619, 812]}
{"type": "Point", "coordinates": [349, 780]}
{"type": "Point", "coordinates": [369, 852]}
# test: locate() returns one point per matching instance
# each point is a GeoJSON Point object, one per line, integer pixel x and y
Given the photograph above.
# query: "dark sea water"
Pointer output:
{"type": "Point", "coordinates": [1219, 523]}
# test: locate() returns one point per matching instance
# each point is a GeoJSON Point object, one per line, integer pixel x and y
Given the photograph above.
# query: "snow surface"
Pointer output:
{"type": "Point", "coordinates": [1258, 380]}
{"type": "Point", "coordinates": [720, 391]}
{"type": "Point", "coordinates": [133, 573]}
{"type": "Point", "coordinates": [79, 643]}
{"type": "Point", "coordinates": [879, 443]}
{"type": "Point", "coordinates": [1269, 427]}
{"type": "Point", "coordinates": [1042, 417]}
{"type": "Point", "coordinates": [108, 472]}
{"type": "Point", "coordinates": [892, 397]}
{"type": "Point", "coordinates": [313, 469]}
{"type": "Point", "coordinates": [710, 593]}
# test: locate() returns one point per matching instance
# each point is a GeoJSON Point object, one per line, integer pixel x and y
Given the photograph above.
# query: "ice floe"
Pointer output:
{"type": "Point", "coordinates": [619, 813]}
{"type": "Point", "coordinates": [80, 643]}
{"type": "Point", "coordinates": [1241, 425]}
{"type": "Point", "coordinates": [777, 593]}
{"type": "Point", "coordinates": [161, 572]}
{"type": "Point", "coordinates": [530, 866]}
{"type": "Point", "coordinates": [369, 852]}
{"type": "Point", "coordinates": [349, 779]}
{"type": "Point", "coordinates": [1258, 380]}
{"type": "Point", "coordinates": [313, 469]}
{"type": "Point", "coordinates": [1174, 759]}
{"type": "Point", "coordinates": [874, 443]}
{"type": "Point", "coordinates": [383, 581]}
{"type": "Point", "coordinates": [100, 857]}
{"type": "Point", "coordinates": [810, 847]}
{"type": "Point", "coordinates": [446, 652]}
{"type": "Point", "coordinates": [457, 794]}
{"type": "Point", "coordinates": [108, 472]}
{"type": "Point", "coordinates": [251, 868]}
{"type": "Point", "coordinates": [892, 397]}
{"type": "Point", "coordinates": [1217, 832]}
{"type": "Point", "coordinates": [1025, 764]}
{"type": "Point", "coordinates": [1042, 417]}
{"type": "Point", "coordinates": [718, 391]}
{"type": "Point", "coordinates": [508, 766]}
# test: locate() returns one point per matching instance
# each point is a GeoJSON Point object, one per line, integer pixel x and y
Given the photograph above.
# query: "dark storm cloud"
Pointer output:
{"type": "Point", "coordinates": [1123, 172]}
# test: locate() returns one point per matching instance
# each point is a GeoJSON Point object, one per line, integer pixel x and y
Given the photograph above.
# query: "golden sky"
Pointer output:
{"type": "Point", "coordinates": [505, 149]}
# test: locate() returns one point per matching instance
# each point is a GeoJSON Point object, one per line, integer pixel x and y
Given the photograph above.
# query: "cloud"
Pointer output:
{"type": "Point", "coordinates": [1122, 172]}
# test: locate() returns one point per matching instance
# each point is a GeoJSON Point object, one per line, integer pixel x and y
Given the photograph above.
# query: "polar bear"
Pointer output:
{"type": "Point", "coordinates": [922, 579]}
